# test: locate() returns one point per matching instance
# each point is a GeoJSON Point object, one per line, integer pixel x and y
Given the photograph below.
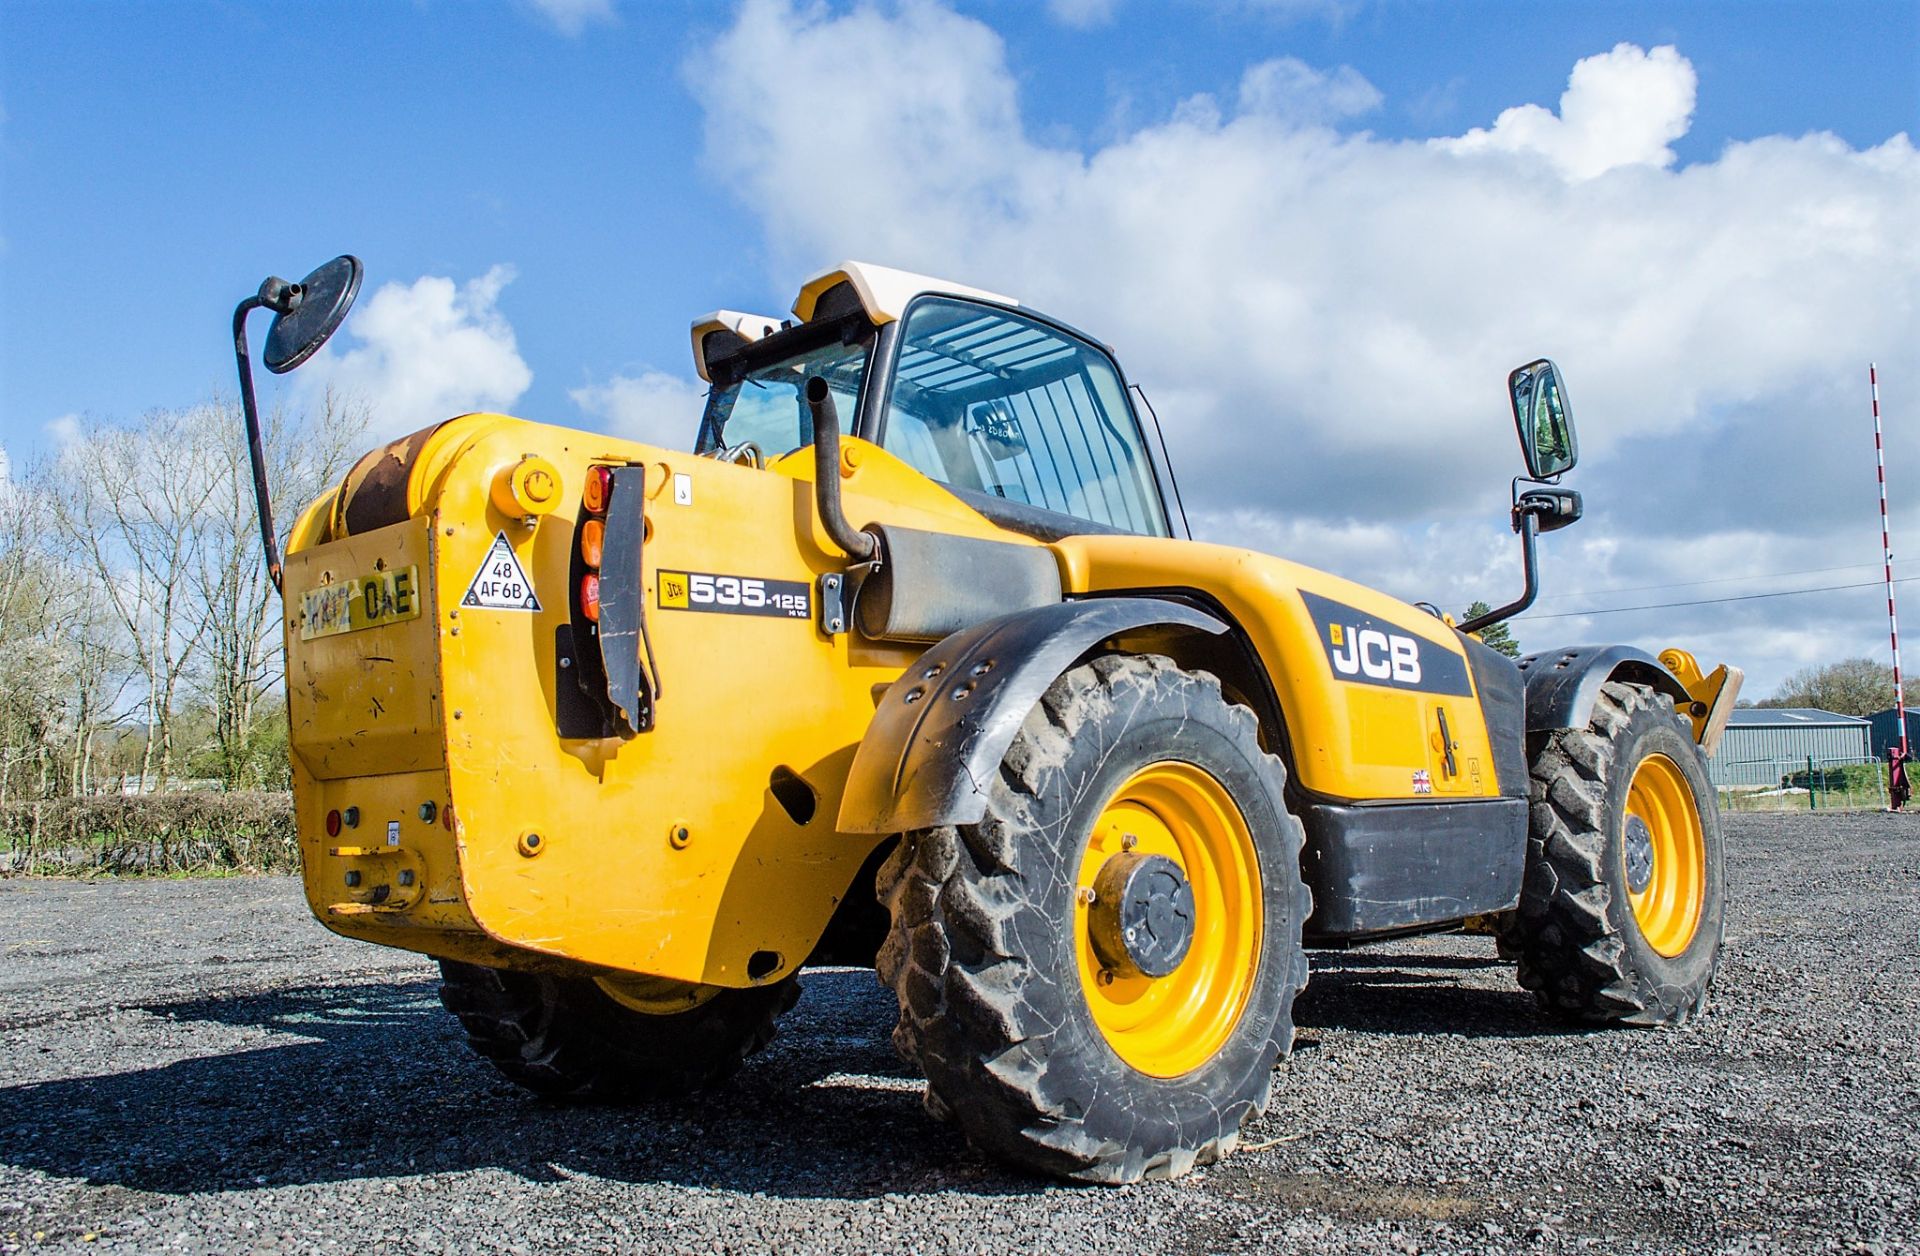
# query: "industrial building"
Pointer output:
{"type": "Point", "coordinates": [1761, 745]}
{"type": "Point", "coordinates": [1886, 730]}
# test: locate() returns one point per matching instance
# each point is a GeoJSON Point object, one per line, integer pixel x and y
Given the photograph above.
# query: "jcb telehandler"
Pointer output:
{"type": "Point", "coordinates": [627, 737]}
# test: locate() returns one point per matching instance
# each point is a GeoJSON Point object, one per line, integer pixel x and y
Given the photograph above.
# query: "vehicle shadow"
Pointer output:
{"type": "Point", "coordinates": [1392, 991]}
{"type": "Point", "coordinates": [374, 1080]}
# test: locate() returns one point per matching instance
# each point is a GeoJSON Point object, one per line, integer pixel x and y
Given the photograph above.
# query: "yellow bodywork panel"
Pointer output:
{"type": "Point", "coordinates": [1353, 738]}
{"type": "Point", "coordinates": [663, 853]}
{"type": "Point", "coordinates": [427, 710]}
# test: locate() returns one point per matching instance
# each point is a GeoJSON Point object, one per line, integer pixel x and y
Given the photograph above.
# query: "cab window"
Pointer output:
{"type": "Point", "coordinates": [988, 401]}
{"type": "Point", "coordinates": [766, 404]}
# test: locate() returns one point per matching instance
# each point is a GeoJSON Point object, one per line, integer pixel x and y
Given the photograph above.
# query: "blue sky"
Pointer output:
{"type": "Point", "coordinates": [634, 164]}
{"type": "Point", "coordinates": [180, 151]}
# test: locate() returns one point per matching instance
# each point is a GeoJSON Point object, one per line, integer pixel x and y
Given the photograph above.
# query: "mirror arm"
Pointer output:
{"type": "Point", "coordinates": [1527, 524]}
{"type": "Point", "coordinates": [262, 499]}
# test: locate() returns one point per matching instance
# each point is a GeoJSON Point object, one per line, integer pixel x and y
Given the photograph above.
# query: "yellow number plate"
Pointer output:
{"type": "Point", "coordinates": [386, 597]}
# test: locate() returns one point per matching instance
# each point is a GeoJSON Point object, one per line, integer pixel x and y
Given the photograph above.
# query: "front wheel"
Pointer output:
{"type": "Point", "coordinates": [1097, 978]}
{"type": "Point", "coordinates": [1621, 912]}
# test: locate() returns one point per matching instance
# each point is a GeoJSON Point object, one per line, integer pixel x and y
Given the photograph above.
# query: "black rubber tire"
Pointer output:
{"type": "Point", "coordinates": [1580, 950]}
{"type": "Point", "coordinates": [981, 956]}
{"type": "Point", "coordinates": [564, 1037]}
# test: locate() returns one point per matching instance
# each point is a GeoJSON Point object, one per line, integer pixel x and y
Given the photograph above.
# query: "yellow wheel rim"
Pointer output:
{"type": "Point", "coordinates": [1170, 1025]}
{"type": "Point", "coordinates": [1673, 890]}
{"type": "Point", "coordinates": [654, 996]}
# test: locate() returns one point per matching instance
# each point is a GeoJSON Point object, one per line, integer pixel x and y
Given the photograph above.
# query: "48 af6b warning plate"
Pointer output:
{"type": "Point", "coordinates": [735, 595]}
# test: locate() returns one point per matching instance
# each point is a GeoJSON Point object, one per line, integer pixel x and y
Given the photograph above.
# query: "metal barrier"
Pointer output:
{"type": "Point", "coordinates": [1813, 784]}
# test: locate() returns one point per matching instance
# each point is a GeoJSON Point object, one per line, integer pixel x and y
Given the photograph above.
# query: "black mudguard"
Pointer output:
{"type": "Point", "coordinates": [943, 727]}
{"type": "Point", "coordinates": [1562, 684]}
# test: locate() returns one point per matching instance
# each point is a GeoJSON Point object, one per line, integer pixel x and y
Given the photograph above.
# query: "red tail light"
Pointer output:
{"type": "Point", "coordinates": [333, 823]}
{"type": "Point", "coordinates": [590, 596]}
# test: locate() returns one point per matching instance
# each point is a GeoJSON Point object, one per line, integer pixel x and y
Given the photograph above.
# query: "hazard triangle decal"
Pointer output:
{"type": "Point", "coordinates": [501, 584]}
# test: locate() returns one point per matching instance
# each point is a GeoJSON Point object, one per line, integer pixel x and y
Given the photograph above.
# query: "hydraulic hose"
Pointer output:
{"type": "Point", "coordinates": [860, 546]}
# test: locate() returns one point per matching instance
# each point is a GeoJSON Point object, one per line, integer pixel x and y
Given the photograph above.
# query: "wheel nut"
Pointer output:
{"type": "Point", "coordinates": [1128, 841]}
{"type": "Point", "coordinates": [1086, 896]}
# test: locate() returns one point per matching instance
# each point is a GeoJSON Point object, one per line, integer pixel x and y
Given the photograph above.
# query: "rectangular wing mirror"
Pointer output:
{"type": "Point", "coordinates": [1544, 419]}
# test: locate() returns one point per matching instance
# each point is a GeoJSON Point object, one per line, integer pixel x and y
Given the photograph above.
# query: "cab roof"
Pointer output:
{"type": "Point", "coordinates": [883, 293]}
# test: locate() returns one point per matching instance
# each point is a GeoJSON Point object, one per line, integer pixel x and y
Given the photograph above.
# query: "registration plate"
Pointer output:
{"type": "Point", "coordinates": [385, 597]}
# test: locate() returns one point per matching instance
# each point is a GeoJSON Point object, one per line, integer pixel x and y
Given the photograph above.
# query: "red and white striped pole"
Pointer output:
{"type": "Point", "coordinates": [1886, 550]}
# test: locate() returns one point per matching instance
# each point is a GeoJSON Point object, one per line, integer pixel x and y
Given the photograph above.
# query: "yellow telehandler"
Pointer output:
{"type": "Point", "coordinates": [909, 664]}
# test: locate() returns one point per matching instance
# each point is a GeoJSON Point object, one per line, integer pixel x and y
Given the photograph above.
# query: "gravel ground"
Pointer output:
{"type": "Point", "coordinates": [198, 1066]}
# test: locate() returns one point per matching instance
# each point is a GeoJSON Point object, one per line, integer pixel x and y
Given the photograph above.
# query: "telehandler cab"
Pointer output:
{"type": "Point", "coordinates": [626, 737]}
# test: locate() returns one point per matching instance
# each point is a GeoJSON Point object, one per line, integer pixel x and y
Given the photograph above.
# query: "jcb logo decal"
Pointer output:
{"type": "Point", "coordinates": [673, 590]}
{"type": "Point", "coordinates": [1370, 651]}
{"type": "Point", "coordinates": [1380, 655]}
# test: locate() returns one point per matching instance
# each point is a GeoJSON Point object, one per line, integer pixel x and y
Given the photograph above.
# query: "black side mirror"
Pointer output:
{"type": "Point", "coordinates": [304, 315]}
{"type": "Point", "coordinates": [1544, 419]}
{"type": "Point", "coordinates": [308, 312]}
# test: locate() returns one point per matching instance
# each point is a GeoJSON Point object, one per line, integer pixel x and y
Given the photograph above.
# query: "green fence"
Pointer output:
{"type": "Point", "coordinates": [1812, 785]}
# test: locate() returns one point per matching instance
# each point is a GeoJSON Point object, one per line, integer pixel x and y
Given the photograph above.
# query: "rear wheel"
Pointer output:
{"type": "Point", "coordinates": [1097, 978]}
{"type": "Point", "coordinates": [1621, 914]}
{"type": "Point", "coordinates": [622, 1039]}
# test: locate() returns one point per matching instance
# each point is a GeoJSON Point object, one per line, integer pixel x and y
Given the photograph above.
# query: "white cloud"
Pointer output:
{"type": "Point", "coordinates": [62, 431]}
{"type": "Point", "coordinates": [1326, 318]}
{"type": "Point", "coordinates": [427, 351]}
{"type": "Point", "coordinates": [570, 17]}
{"type": "Point", "coordinates": [1289, 88]}
{"type": "Point", "coordinates": [653, 407]}
{"type": "Point", "coordinates": [1621, 108]}
{"type": "Point", "coordinates": [1082, 14]}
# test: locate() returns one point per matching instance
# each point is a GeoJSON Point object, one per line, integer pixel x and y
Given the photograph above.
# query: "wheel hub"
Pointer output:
{"type": "Point", "coordinates": [1639, 844]}
{"type": "Point", "coordinates": [1142, 917]}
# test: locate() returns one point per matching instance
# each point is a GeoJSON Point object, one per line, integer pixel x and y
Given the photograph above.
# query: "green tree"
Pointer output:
{"type": "Point", "coordinates": [1857, 686]}
{"type": "Point", "coordinates": [1496, 636]}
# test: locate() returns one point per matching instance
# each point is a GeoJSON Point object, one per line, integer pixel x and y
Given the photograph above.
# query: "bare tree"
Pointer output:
{"type": "Point", "coordinates": [132, 511]}
{"type": "Point", "coordinates": [132, 587]}
{"type": "Point", "coordinates": [236, 604]}
{"type": "Point", "coordinates": [28, 669]}
{"type": "Point", "coordinates": [60, 674]}
{"type": "Point", "coordinates": [1857, 686]}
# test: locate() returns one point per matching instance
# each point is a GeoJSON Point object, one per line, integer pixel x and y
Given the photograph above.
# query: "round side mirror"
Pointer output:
{"type": "Point", "coordinates": [308, 312]}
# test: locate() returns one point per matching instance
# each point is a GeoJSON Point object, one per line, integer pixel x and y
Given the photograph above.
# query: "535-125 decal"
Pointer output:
{"type": "Point", "coordinates": [734, 595]}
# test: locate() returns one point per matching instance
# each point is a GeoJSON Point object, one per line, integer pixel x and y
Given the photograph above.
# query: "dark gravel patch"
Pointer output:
{"type": "Point", "coordinates": [198, 1066]}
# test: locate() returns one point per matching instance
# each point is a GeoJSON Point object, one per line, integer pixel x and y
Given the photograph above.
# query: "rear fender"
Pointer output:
{"type": "Point", "coordinates": [1562, 685]}
{"type": "Point", "coordinates": [942, 729]}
